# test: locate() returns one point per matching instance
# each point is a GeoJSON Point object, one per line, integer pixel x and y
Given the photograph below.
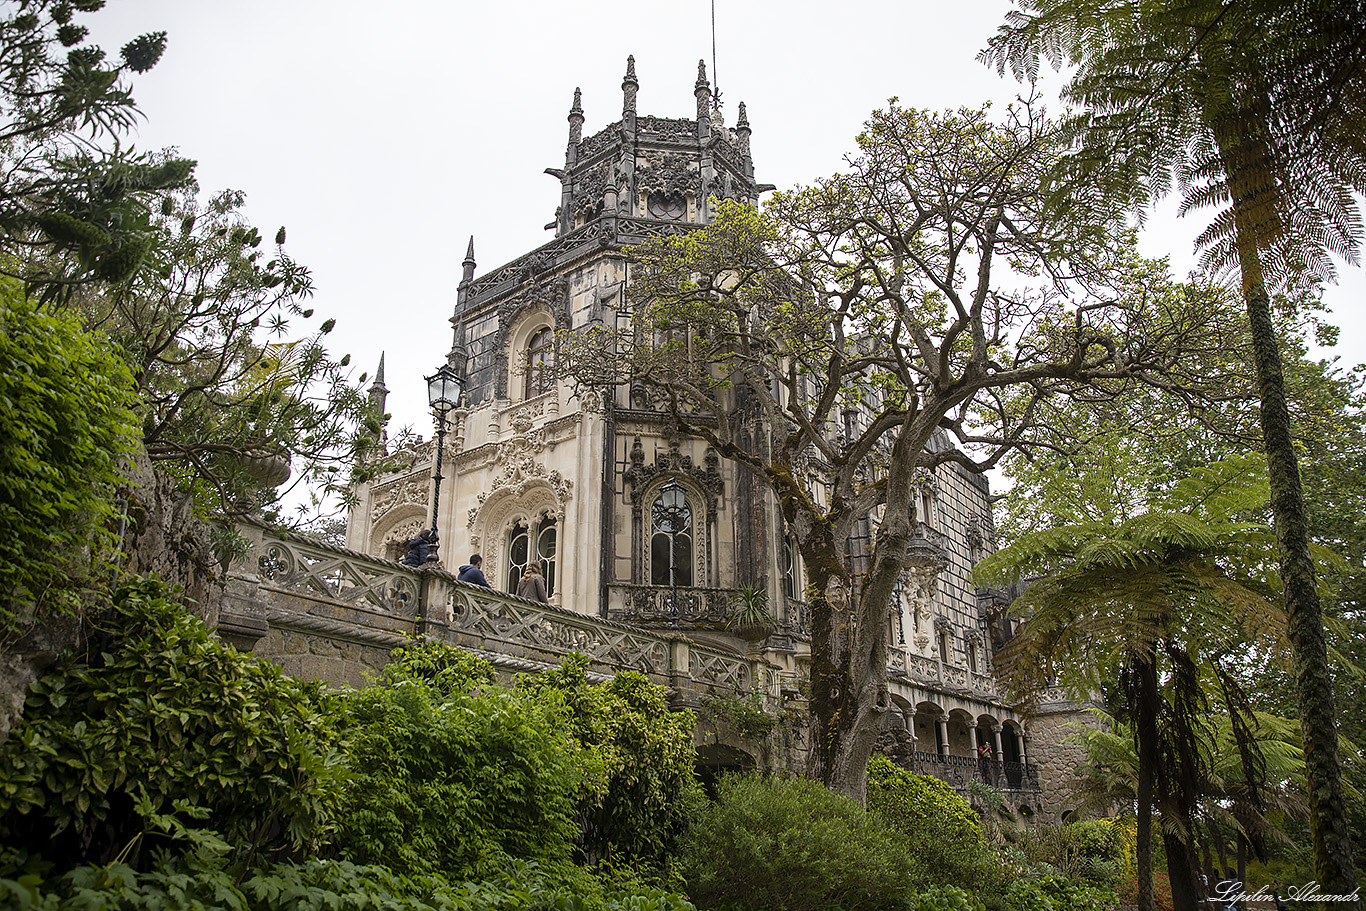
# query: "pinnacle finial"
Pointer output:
{"type": "Point", "coordinates": [742, 120]}
{"type": "Point", "coordinates": [578, 102]}
{"type": "Point", "coordinates": [630, 69]}
{"type": "Point", "coordinates": [379, 372]}
{"type": "Point", "coordinates": [468, 272]}
{"type": "Point", "coordinates": [702, 75]}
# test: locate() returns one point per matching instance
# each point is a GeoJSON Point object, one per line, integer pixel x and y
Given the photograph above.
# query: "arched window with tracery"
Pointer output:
{"type": "Point", "coordinates": [789, 570]}
{"type": "Point", "coordinates": [671, 537]}
{"type": "Point", "coordinates": [538, 363]}
{"type": "Point", "coordinates": [547, 549]}
{"type": "Point", "coordinates": [528, 542]}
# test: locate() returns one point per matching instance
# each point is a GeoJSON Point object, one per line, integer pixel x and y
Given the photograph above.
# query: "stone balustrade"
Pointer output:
{"type": "Point", "coordinates": [333, 614]}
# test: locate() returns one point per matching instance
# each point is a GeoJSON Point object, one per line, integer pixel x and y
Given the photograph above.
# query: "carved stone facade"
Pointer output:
{"type": "Point", "coordinates": [636, 525]}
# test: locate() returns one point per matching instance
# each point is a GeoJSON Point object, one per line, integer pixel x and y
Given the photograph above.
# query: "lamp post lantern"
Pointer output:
{"type": "Point", "coordinates": [443, 394]}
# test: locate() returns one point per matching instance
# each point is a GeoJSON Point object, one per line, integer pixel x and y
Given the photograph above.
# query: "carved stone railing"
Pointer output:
{"type": "Point", "coordinates": [656, 604]}
{"type": "Point", "coordinates": [291, 582]}
{"type": "Point", "coordinates": [491, 621]}
{"type": "Point", "coordinates": [293, 563]}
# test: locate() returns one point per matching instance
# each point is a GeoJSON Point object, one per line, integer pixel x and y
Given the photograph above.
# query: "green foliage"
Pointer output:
{"type": "Point", "coordinates": [1057, 894]}
{"type": "Point", "coordinates": [938, 827]}
{"type": "Point", "coordinates": [1093, 850]}
{"type": "Point", "coordinates": [65, 419]}
{"type": "Point", "coordinates": [239, 392]}
{"type": "Point", "coordinates": [636, 757]}
{"type": "Point", "coordinates": [325, 885]}
{"type": "Point", "coordinates": [743, 713]}
{"type": "Point", "coordinates": [792, 845]}
{"type": "Point", "coordinates": [160, 734]}
{"type": "Point", "coordinates": [945, 898]}
{"type": "Point", "coordinates": [442, 667]}
{"type": "Point", "coordinates": [75, 206]}
{"type": "Point", "coordinates": [453, 780]}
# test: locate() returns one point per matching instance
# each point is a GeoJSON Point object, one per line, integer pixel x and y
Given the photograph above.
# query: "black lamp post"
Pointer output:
{"type": "Point", "coordinates": [443, 394]}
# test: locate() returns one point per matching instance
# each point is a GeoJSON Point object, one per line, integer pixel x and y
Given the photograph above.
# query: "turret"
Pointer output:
{"type": "Point", "coordinates": [379, 393]}
{"type": "Point", "coordinates": [742, 132]}
{"type": "Point", "coordinates": [702, 92]}
{"type": "Point", "coordinates": [629, 87]}
{"type": "Point", "coordinates": [458, 355]}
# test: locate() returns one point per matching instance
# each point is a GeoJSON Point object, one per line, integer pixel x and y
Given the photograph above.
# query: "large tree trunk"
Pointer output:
{"type": "Point", "coordinates": [1313, 677]}
{"type": "Point", "coordinates": [1328, 826]}
{"type": "Point", "coordinates": [1181, 871]}
{"type": "Point", "coordinates": [848, 680]}
{"type": "Point", "coordinates": [1145, 725]}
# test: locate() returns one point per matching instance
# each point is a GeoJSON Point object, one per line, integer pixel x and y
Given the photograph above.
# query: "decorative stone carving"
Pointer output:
{"type": "Point", "coordinates": [412, 490]}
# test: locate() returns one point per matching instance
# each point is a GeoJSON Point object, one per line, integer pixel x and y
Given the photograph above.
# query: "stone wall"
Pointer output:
{"type": "Point", "coordinates": [1056, 756]}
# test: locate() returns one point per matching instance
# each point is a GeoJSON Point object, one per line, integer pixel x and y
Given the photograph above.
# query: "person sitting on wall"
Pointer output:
{"type": "Point", "coordinates": [532, 586]}
{"type": "Point", "coordinates": [420, 547]}
{"type": "Point", "coordinates": [471, 572]}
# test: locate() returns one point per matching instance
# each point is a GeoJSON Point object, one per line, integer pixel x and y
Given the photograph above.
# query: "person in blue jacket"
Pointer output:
{"type": "Point", "coordinates": [471, 572]}
{"type": "Point", "coordinates": [420, 547]}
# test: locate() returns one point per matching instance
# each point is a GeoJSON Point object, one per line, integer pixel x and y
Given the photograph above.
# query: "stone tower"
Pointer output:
{"type": "Point", "coordinates": [631, 521]}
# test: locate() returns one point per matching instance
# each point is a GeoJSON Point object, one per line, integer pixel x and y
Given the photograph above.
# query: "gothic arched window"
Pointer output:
{"type": "Point", "coordinates": [789, 570]}
{"type": "Point", "coordinates": [533, 542]}
{"type": "Point", "coordinates": [537, 362]}
{"type": "Point", "coordinates": [671, 537]}
{"type": "Point", "coordinates": [547, 542]}
{"type": "Point", "coordinates": [519, 549]}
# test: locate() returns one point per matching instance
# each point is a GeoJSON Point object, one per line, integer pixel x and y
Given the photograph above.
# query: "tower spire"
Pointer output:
{"type": "Point", "coordinates": [629, 86]}
{"type": "Point", "coordinates": [379, 396]}
{"type": "Point", "coordinates": [702, 92]}
{"type": "Point", "coordinates": [576, 118]}
{"type": "Point", "coordinates": [468, 263]}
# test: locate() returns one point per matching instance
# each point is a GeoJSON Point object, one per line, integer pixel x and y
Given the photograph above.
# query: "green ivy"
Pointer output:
{"type": "Point", "coordinates": [159, 734]}
{"type": "Point", "coordinates": [65, 420]}
{"type": "Point", "coordinates": [745, 714]}
{"type": "Point", "coordinates": [637, 759]}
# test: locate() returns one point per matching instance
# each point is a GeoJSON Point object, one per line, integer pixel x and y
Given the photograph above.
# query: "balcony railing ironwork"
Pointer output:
{"type": "Point", "coordinates": [959, 770]}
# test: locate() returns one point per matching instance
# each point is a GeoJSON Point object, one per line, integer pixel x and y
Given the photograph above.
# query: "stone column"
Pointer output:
{"type": "Point", "coordinates": [943, 724]}
{"type": "Point", "coordinates": [996, 741]}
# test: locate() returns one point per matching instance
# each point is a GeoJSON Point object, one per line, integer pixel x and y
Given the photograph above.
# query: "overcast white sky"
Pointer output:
{"type": "Point", "coordinates": [383, 136]}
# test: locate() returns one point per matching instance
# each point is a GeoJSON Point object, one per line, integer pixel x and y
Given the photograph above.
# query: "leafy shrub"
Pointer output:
{"type": "Point", "coordinates": [442, 667]}
{"type": "Point", "coordinates": [945, 898]}
{"type": "Point", "coordinates": [1127, 889]}
{"type": "Point", "coordinates": [636, 757]}
{"type": "Point", "coordinates": [65, 418]}
{"type": "Point", "coordinates": [453, 781]}
{"type": "Point", "coordinates": [158, 733]}
{"type": "Point", "coordinates": [1057, 894]}
{"type": "Point", "coordinates": [1093, 849]}
{"type": "Point", "coordinates": [324, 884]}
{"type": "Point", "coordinates": [939, 828]}
{"type": "Point", "coordinates": [768, 843]}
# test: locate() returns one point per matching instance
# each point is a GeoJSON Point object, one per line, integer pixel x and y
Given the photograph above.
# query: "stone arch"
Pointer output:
{"type": "Point", "coordinates": [529, 501]}
{"type": "Point", "coordinates": [535, 306]}
{"type": "Point", "coordinates": [961, 724]}
{"type": "Point", "coordinates": [702, 518]}
{"type": "Point", "coordinates": [535, 317]}
{"type": "Point", "coordinates": [398, 526]}
{"type": "Point", "coordinates": [926, 720]}
{"type": "Point", "coordinates": [901, 714]}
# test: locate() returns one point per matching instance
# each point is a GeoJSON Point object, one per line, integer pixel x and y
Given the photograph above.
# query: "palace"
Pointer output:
{"type": "Point", "coordinates": [634, 523]}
